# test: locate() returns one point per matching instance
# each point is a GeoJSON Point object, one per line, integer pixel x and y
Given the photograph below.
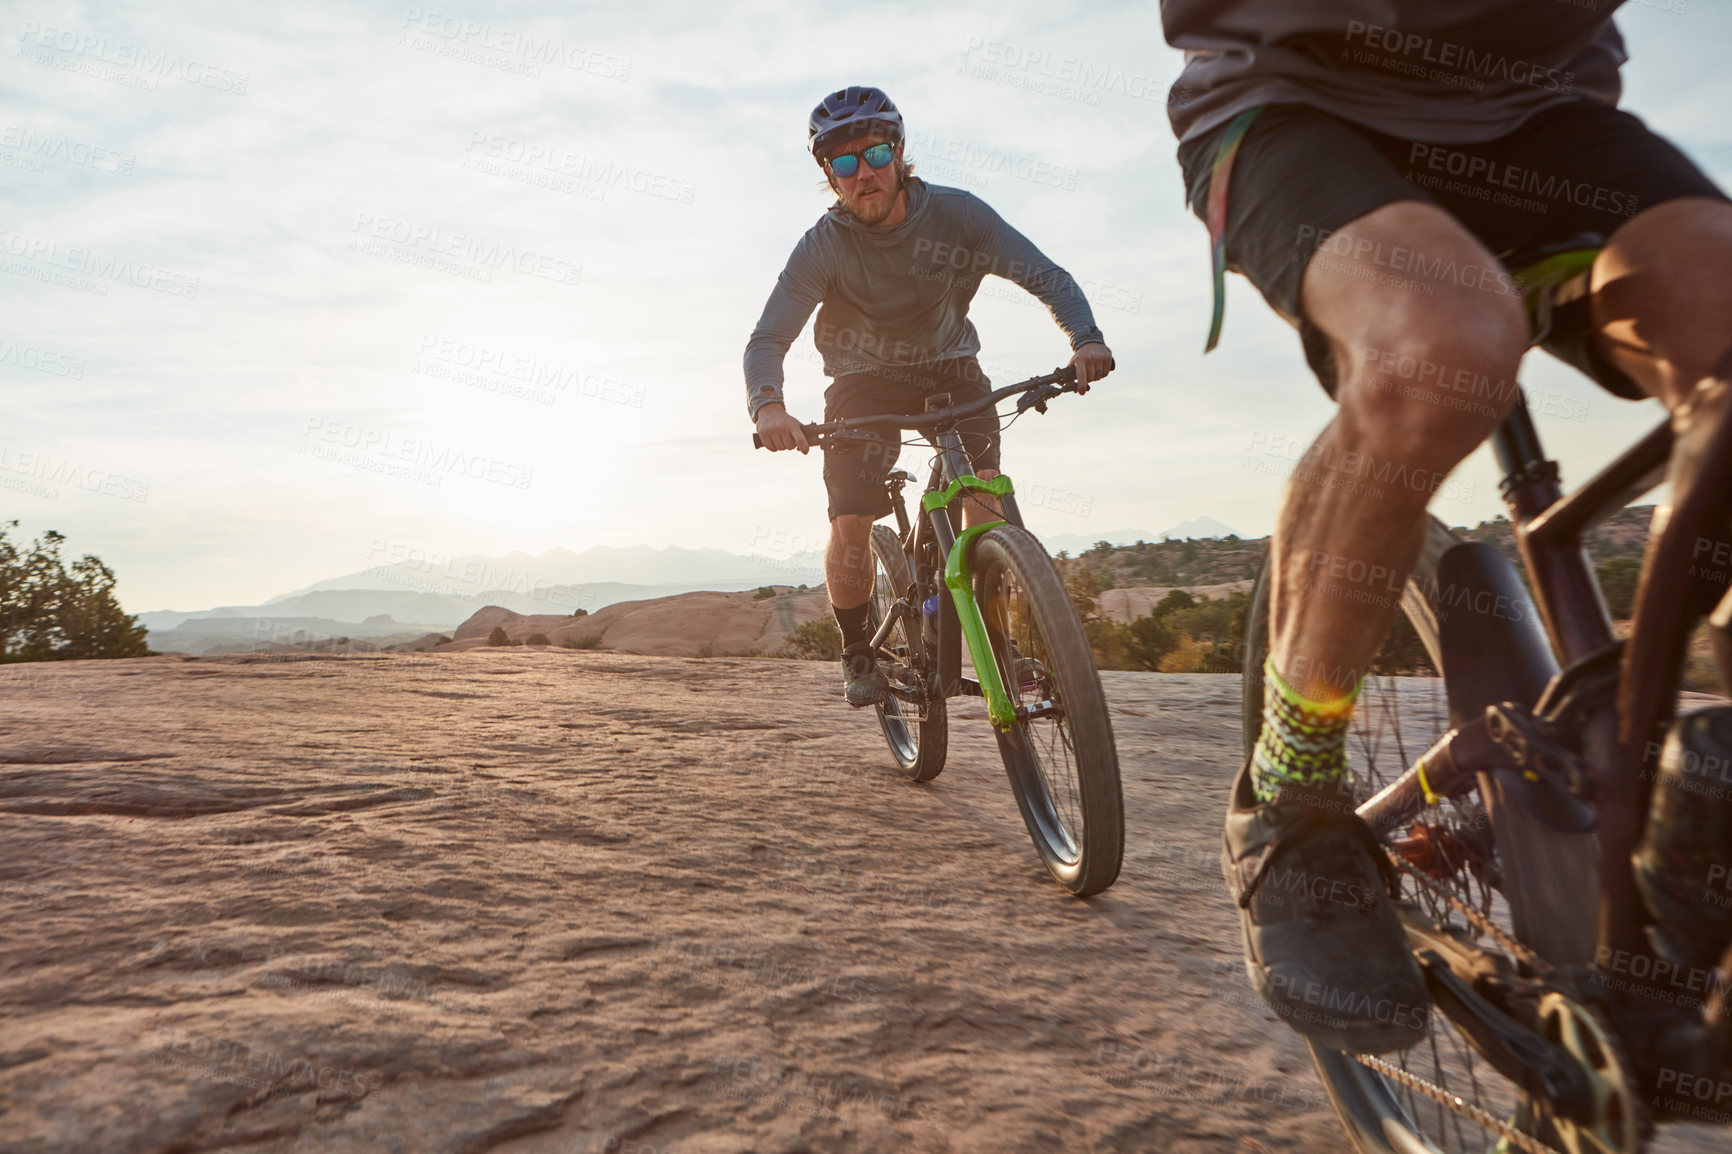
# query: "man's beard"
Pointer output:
{"type": "Point", "coordinates": [878, 212]}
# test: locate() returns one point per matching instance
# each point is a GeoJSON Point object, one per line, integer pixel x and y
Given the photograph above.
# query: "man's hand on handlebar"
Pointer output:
{"type": "Point", "coordinates": [778, 430]}
{"type": "Point", "coordinates": [1092, 362]}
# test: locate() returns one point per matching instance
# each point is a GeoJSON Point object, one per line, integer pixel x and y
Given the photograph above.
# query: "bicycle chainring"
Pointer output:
{"type": "Point", "coordinates": [1620, 1124]}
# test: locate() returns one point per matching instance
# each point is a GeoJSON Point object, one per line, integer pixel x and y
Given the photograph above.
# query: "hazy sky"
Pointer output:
{"type": "Point", "coordinates": [286, 288]}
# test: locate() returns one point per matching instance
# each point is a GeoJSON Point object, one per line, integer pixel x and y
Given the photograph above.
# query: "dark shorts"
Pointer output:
{"type": "Point", "coordinates": [1301, 174]}
{"type": "Point", "coordinates": [854, 473]}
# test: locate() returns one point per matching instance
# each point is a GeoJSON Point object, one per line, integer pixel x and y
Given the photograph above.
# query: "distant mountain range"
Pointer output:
{"type": "Point", "coordinates": [407, 596]}
{"type": "Point", "coordinates": [521, 572]}
{"type": "Point", "coordinates": [410, 594]}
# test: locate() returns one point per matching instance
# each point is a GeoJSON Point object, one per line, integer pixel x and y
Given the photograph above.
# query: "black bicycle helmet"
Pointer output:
{"type": "Point", "coordinates": [853, 111]}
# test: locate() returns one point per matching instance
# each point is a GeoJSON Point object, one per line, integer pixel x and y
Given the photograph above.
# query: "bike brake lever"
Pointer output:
{"type": "Point", "coordinates": [1036, 399]}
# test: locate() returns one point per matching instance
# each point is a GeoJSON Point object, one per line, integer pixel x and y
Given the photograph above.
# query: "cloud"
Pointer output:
{"type": "Point", "coordinates": [605, 192]}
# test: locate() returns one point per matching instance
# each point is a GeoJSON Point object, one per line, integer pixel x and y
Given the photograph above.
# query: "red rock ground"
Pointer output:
{"type": "Point", "coordinates": [531, 901]}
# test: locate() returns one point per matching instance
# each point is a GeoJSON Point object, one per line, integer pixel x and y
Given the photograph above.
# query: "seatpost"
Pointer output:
{"type": "Point", "coordinates": [1569, 597]}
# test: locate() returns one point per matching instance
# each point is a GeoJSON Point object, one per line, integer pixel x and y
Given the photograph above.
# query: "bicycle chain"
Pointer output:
{"type": "Point", "coordinates": [1457, 1103]}
{"type": "Point", "coordinates": [1536, 964]}
{"type": "Point", "coordinates": [1514, 948]}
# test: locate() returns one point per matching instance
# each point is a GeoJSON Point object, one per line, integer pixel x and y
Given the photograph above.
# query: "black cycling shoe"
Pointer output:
{"type": "Point", "coordinates": [1323, 944]}
{"type": "Point", "coordinates": [863, 683]}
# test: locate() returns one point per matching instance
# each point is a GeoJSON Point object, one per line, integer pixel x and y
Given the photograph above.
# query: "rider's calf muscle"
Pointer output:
{"type": "Point", "coordinates": [848, 561]}
{"type": "Point", "coordinates": [1352, 515]}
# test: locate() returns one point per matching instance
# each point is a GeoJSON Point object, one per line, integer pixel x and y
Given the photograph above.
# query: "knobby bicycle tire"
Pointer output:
{"type": "Point", "coordinates": [919, 737]}
{"type": "Point", "coordinates": [1064, 767]}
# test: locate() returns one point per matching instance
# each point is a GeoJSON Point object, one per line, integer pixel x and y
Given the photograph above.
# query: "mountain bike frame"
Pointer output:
{"type": "Point", "coordinates": [936, 549]}
{"type": "Point", "coordinates": [1585, 747]}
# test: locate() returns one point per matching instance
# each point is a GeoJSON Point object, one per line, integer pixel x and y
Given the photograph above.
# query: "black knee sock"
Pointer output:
{"type": "Point", "coordinates": [856, 624]}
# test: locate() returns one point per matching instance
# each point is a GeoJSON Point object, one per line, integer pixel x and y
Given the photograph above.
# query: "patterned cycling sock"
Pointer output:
{"type": "Point", "coordinates": [1303, 743]}
{"type": "Point", "coordinates": [856, 623]}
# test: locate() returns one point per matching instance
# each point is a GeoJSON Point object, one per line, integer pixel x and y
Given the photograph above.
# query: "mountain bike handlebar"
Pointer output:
{"type": "Point", "coordinates": [1039, 390]}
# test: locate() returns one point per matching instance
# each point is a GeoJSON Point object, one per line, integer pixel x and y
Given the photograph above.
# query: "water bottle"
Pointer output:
{"type": "Point", "coordinates": [1683, 866]}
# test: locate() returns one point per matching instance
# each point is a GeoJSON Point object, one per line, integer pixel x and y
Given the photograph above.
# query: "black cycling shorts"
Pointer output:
{"type": "Point", "coordinates": [854, 471]}
{"type": "Point", "coordinates": [1301, 173]}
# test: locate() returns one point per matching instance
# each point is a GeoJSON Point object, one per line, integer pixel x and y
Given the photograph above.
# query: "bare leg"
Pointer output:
{"type": "Point", "coordinates": [1352, 516]}
{"type": "Point", "coordinates": [848, 561]}
{"type": "Point", "coordinates": [977, 509]}
{"type": "Point", "coordinates": [1663, 302]}
{"type": "Point", "coordinates": [1663, 296]}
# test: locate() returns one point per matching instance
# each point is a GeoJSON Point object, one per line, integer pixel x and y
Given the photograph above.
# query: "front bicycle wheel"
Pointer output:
{"type": "Point", "coordinates": [1062, 763]}
{"type": "Point", "coordinates": [918, 732]}
{"type": "Point", "coordinates": [1441, 1095]}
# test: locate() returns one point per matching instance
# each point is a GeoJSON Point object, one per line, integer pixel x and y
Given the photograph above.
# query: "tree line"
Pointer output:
{"type": "Point", "coordinates": [52, 611]}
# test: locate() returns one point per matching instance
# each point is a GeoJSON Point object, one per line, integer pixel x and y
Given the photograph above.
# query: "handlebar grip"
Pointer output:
{"type": "Point", "coordinates": [811, 432]}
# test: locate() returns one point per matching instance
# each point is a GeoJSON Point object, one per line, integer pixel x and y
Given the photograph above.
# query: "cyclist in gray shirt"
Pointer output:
{"type": "Point", "coordinates": [891, 269]}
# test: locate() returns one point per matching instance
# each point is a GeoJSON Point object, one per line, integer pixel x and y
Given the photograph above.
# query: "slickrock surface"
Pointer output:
{"type": "Point", "coordinates": [538, 901]}
{"type": "Point", "coordinates": [685, 625]}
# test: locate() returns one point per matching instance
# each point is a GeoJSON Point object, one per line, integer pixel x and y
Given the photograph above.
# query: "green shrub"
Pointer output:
{"type": "Point", "coordinates": [538, 639]}
{"type": "Point", "coordinates": [589, 641]}
{"type": "Point", "coordinates": [764, 593]}
{"type": "Point", "coordinates": [498, 637]}
{"type": "Point", "coordinates": [50, 611]}
{"type": "Point", "coordinates": [819, 639]}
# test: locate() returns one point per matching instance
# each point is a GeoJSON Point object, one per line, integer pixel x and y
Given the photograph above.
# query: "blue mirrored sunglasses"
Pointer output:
{"type": "Point", "coordinates": [846, 164]}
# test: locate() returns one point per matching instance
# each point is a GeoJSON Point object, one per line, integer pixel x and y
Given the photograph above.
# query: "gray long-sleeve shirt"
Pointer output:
{"type": "Point", "coordinates": [1439, 71]}
{"type": "Point", "coordinates": [898, 297]}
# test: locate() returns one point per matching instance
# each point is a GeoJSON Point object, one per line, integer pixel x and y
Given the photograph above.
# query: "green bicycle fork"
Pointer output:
{"type": "Point", "coordinates": [959, 579]}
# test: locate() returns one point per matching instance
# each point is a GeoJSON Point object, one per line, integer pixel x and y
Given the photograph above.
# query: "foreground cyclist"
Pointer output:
{"type": "Point", "coordinates": [1366, 199]}
{"type": "Point", "coordinates": [893, 265]}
